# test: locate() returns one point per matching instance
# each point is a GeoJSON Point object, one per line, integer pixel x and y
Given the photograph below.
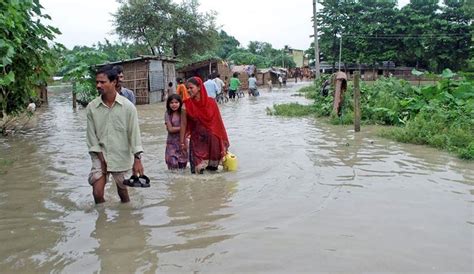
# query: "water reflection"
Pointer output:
{"type": "Point", "coordinates": [122, 242]}
{"type": "Point", "coordinates": [27, 234]}
{"type": "Point", "coordinates": [195, 209]}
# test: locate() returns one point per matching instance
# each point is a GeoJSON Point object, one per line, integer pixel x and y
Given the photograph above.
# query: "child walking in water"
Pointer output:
{"type": "Point", "coordinates": [175, 157]}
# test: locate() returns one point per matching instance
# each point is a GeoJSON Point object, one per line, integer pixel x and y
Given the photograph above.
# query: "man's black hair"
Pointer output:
{"type": "Point", "coordinates": [118, 68]}
{"type": "Point", "coordinates": [108, 70]}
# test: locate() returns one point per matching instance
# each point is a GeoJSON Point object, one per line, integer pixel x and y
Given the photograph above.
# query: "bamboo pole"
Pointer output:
{"type": "Point", "coordinates": [74, 101]}
{"type": "Point", "coordinates": [357, 115]}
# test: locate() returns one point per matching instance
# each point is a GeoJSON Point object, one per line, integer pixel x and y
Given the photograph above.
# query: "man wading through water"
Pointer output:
{"type": "Point", "coordinates": [113, 137]}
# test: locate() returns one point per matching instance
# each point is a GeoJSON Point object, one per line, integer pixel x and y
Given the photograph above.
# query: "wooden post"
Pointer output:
{"type": "Point", "coordinates": [44, 94]}
{"type": "Point", "coordinates": [316, 42]}
{"type": "Point", "coordinates": [356, 102]}
{"type": "Point", "coordinates": [74, 101]}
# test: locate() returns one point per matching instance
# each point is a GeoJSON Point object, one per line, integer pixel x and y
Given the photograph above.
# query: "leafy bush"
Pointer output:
{"type": "Point", "coordinates": [440, 115]}
{"type": "Point", "coordinates": [291, 110]}
{"type": "Point", "coordinates": [28, 55]}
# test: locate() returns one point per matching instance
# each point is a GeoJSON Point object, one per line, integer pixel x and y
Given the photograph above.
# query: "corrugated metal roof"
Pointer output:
{"type": "Point", "coordinates": [143, 57]}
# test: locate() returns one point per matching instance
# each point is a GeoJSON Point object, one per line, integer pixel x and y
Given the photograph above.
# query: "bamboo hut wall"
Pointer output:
{"type": "Point", "coordinates": [170, 75]}
{"type": "Point", "coordinates": [136, 79]}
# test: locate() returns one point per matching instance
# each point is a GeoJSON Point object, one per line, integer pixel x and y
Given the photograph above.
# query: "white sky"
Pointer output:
{"type": "Point", "coordinates": [279, 22]}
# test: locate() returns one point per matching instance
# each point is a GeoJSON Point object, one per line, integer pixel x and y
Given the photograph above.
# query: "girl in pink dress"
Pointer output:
{"type": "Point", "coordinates": [175, 157]}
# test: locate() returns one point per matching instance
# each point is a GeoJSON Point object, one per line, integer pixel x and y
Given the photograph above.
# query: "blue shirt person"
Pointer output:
{"type": "Point", "coordinates": [211, 87]}
{"type": "Point", "coordinates": [125, 92]}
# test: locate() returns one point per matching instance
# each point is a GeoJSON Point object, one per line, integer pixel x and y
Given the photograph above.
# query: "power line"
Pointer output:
{"type": "Point", "coordinates": [398, 36]}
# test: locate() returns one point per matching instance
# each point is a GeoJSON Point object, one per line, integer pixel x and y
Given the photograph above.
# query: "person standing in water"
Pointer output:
{"type": "Point", "coordinates": [113, 137]}
{"type": "Point", "coordinates": [201, 121]}
{"type": "Point", "coordinates": [175, 157]}
{"type": "Point", "coordinates": [234, 85]}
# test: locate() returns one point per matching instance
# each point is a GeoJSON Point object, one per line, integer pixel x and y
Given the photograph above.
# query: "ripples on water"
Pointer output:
{"type": "Point", "coordinates": [308, 196]}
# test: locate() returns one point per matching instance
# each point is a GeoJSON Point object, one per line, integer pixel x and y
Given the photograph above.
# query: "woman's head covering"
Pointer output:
{"type": "Point", "coordinates": [206, 111]}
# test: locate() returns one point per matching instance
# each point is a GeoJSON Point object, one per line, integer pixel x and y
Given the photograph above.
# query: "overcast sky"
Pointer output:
{"type": "Point", "coordinates": [279, 22]}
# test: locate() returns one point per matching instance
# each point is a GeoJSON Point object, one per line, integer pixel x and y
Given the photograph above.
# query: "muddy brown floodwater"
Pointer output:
{"type": "Point", "coordinates": [308, 196]}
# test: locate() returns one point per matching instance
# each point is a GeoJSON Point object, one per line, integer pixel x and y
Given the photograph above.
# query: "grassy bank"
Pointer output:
{"type": "Point", "coordinates": [439, 115]}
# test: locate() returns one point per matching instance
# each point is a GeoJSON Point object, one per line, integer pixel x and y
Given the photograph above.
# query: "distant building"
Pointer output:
{"type": "Point", "coordinates": [298, 57]}
{"type": "Point", "coordinates": [370, 71]}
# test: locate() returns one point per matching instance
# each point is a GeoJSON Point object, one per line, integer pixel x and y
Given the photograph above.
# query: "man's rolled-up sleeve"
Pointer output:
{"type": "Point", "coordinates": [92, 140]}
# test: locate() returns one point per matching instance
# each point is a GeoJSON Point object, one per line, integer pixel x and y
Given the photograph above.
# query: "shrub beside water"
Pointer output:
{"type": "Point", "coordinates": [291, 110]}
{"type": "Point", "coordinates": [440, 115]}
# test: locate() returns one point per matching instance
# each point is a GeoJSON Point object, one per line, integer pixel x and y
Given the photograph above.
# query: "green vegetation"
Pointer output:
{"type": "Point", "coordinates": [78, 68]}
{"type": "Point", "coordinates": [440, 115]}
{"type": "Point", "coordinates": [27, 55]}
{"type": "Point", "coordinates": [166, 27]}
{"type": "Point", "coordinates": [424, 33]}
{"type": "Point", "coordinates": [291, 110]}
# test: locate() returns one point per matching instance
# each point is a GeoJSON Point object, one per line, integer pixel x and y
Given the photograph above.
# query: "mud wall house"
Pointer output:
{"type": "Point", "coordinates": [263, 75]}
{"type": "Point", "coordinates": [148, 76]}
{"type": "Point", "coordinates": [205, 68]}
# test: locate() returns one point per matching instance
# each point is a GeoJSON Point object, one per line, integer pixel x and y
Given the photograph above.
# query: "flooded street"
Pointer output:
{"type": "Point", "coordinates": [307, 197]}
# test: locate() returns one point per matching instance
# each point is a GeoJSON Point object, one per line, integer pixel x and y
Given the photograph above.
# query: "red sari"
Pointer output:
{"type": "Point", "coordinates": [209, 142]}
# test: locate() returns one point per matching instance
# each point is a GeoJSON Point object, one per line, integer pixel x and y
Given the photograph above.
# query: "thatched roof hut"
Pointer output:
{"type": "Point", "coordinates": [147, 76]}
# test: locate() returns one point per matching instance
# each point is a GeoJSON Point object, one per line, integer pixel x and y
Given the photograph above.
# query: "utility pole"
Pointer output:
{"type": "Point", "coordinates": [316, 43]}
{"type": "Point", "coordinates": [340, 52]}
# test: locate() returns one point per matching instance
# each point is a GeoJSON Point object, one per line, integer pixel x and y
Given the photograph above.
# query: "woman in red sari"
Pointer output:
{"type": "Point", "coordinates": [201, 122]}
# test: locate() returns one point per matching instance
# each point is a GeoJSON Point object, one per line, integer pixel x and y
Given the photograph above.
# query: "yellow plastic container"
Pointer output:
{"type": "Point", "coordinates": [230, 162]}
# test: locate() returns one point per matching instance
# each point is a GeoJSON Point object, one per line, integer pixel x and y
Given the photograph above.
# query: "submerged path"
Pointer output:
{"type": "Point", "coordinates": [307, 197]}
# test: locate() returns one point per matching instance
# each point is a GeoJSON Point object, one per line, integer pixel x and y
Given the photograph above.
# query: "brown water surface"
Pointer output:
{"type": "Point", "coordinates": [307, 197]}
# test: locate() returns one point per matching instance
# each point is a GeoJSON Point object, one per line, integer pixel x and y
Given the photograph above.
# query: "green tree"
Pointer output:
{"type": "Point", "coordinates": [331, 25]}
{"type": "Point", "coordinates": [245, 57]}
{"type": "Point", "coordinates": [166, 27]}
{"type": "Point", "coordinates": [28, 53]}
{"type": "Point", "coordinates": [450, 49]}
{"type": "Point", "coordinates": [78, 67]}
{"type": "Point", "coordinates": [227, 44]}
{"type": "Point", "coordinates": [120, 50]}
{"type": "Point", "coordinates": [262, 48]}
{"type": "Point", "coordinates": [283, 60]}
{"type": "Point", "coordinates": [421, 34]}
